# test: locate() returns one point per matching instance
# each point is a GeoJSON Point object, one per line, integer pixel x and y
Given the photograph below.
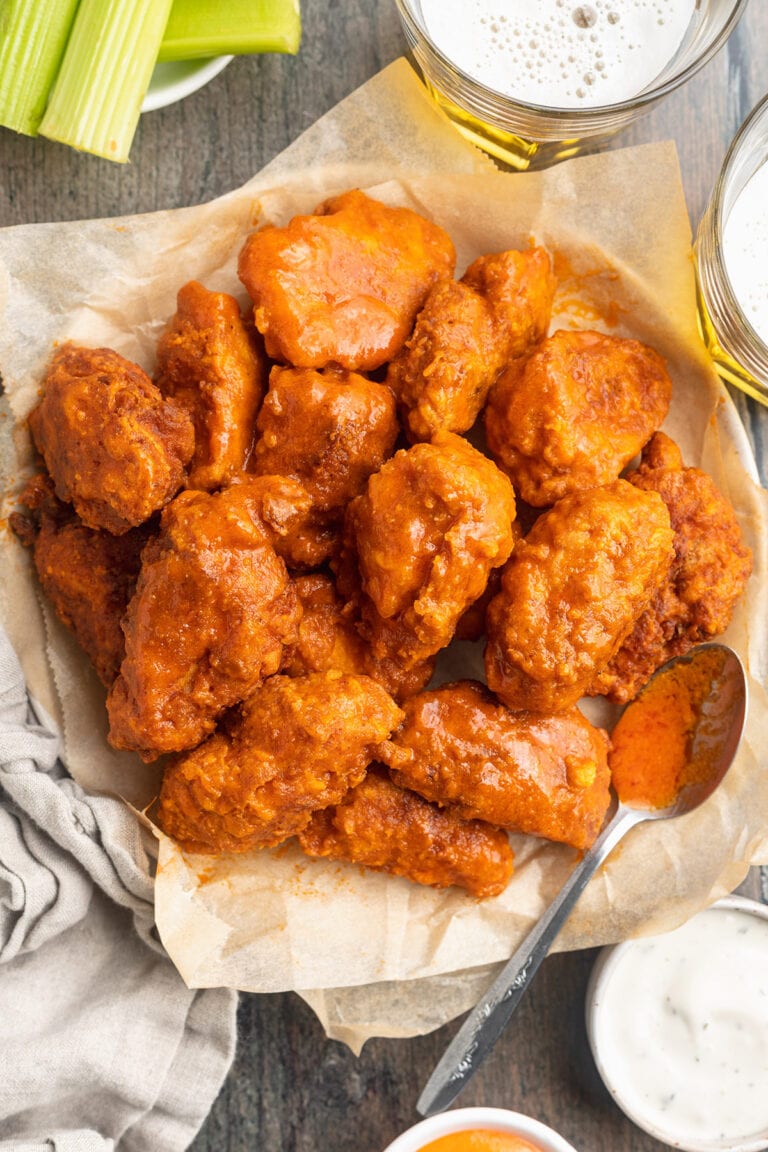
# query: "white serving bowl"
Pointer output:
{"type": "Point", "coordinates": [488, 1119]}
{"type": "Point", "coordinates": [661, 1012]}
{"type": "Point", "coordinates": [172, 80]}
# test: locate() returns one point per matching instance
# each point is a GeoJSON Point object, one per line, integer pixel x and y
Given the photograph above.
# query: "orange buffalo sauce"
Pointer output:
{"type": "Point", "coordinates": [652, 755]}
{"type": "Point", "coordinates": [479, 1140]}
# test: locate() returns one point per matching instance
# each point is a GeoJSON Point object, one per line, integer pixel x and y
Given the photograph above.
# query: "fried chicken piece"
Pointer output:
{"type": "Point", "coordinates": [343, 285]}
{"type": "Point", "coordinates": [329, 639]}
{"type": "Point", "coordinates": [543, 775]}
{"type": "Point", "coordinates": [209, 363]}
{"type": "Point", "coordinates": [211, 612]}
{"type": "Point", "coordinates": [431, 525]}
{"type": "Point", "coordinates": [709, 572]}
{"type": "Point", "coordinates": [465, 334]}
{"type": "Point", "coordinates": [575, 412]}
{"type": "Point", "coordinates": [114, 447]}
{"type": "Point", "coordinates": [389, 829]}
{"type": "Point", "coordinates": [295, 746]}
{"type": "Point", "coordinates": [572, 592]}
{"type": "Point", "coordinates": [286, 509]}
{"type": "Point", "coordinates": [520, 290]}
{"type": "Point", "coordinates": [442, 375]}
{"type": "Point", "coordinates": [88, 576]}
{"type": "Point", "coordinates": [330, 430]}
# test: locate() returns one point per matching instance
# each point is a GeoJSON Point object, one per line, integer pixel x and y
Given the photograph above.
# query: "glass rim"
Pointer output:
{"type": "Point", "coordinates": [556, 112]}
{"type": "Point", "coordinates": [732, 156]}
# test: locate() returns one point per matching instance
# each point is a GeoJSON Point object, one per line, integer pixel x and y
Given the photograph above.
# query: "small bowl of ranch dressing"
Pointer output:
{"type": "Point", "coordinates": [678, 1026]}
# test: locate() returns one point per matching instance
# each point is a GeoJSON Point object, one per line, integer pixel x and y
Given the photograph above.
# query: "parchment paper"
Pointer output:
{"type": "Point", "coordinates": [372, 954]}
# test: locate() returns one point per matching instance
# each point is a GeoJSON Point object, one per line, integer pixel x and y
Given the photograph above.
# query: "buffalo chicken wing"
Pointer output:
{"type": "Point", "coordinates": [343, 285]}
{"type": "Point", "coordinates": [572, 592]}
{"type": "Point", "coordinates": [208, 362]}
{"type": "Point", "coordinates": [543, 775]}
{"type": "Point", "coordinates": [211, 612]}
{"type": "Point", "coordinates": [294, 746]}
{"type": "Point", "coordinates": [709, 572]}
{"type": "Point", "coordinates": [114, 447]}
{"type": "Point", "coordinates": [387, 828]}
{"type": "Point", "coordinates": [575, 412]}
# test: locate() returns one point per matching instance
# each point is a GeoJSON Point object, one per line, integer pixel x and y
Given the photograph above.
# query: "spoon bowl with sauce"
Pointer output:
{"type": "Point", "coordinates": [672, 747]}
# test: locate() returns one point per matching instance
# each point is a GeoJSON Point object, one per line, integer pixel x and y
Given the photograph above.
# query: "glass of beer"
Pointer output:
{"type": "Point", "coordinates": [533, 82]}
{"type": "Point", "coordinates": [732, 261]}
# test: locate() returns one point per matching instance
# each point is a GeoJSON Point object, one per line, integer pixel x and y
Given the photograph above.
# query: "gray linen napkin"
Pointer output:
{"type": "Point", "coordinates": [102, 1045]}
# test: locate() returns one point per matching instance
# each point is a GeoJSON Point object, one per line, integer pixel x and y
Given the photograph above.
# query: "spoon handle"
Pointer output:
{"type": "Point", "coordinates": [488, 1018]}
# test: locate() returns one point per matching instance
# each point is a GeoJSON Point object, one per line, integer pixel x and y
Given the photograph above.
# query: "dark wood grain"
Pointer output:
{"type": "Point", "coordinates": [291, 1090]}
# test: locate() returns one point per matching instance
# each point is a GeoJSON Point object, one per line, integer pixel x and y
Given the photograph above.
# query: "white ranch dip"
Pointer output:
{"type": "Point", "coordinates": [560, 53]}
{"type": "Point", "coordinates": [745, 251]}
{"type": "Point", "coordinates": [681, 1029]}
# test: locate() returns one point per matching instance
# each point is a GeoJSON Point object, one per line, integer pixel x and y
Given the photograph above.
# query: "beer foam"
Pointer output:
{"type": "Point", "coordinates": [745, 250]}
{"type": "Point", "coordinates": [560, 53]}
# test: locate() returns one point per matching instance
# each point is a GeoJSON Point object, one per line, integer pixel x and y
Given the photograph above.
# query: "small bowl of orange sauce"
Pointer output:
{"type": "Point", "coordinates": [480, 1130]}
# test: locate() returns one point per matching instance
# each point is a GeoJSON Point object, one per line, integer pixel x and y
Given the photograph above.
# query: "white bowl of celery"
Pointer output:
{"type": "Point", "coordinates": [82, 71]}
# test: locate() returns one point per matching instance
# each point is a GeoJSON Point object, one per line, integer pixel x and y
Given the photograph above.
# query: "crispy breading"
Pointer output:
{"type": "Point", "coordinates": [467, 331]}
{"type": "Point", "coordinates": [114, 447]}
{"type": "Point", "coordinates": [294, 746]}
{"type": "Point", "coordinates": [709, 572]}
{"type": "Point", "coordinates": [432, 524]}
{"type": "Point", "coordinates": [209, 362]}
{"type": "Point", "coordinates": [330, 430]}
{"type": "Point", "coordinates": [387, 828]}
{"type": "Point", "coordinates": [211, 612]}
{"type": "Point", "coordinates": [575, 412]}
{"type": "Point", "coordinates": [343, 285]}
{"type": "Point", "coordinates": [329, 638]}
{"type": "Point", "coordinates": [572, 592]}
{"type": "Point", "coordinates": [546, 775]}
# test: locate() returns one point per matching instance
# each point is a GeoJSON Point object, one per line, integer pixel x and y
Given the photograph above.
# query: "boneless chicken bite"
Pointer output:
{"type": "Point", "coordinates": [520, 289]}
{"type": "Point", "coordinates": [114, 447]}
{"type": "Point", "coordinates": [209, 363]}
{"type": "Point", "coordinates": [544, 775]}
{"type": "Point", "coordinates": [709, 572]}
{"type": "Point", "coordinates": [212, 610]}
{"type": "Point", "coordinates": [329, 639]}
{"type": "Point", "coordinates": [425, 535]}
{"type": "Point", "coordinates": [286, 510]}
{"type": "Point", "coordinates": [442, 376]}
{"type": "Point", "coordinates": [88, 575]}
{"type": "Point", "coordinates": [575, 412]}
{"type": "Point", "coordinates": [572, 592]}
{"type": "Point", "coordinates": [465, 334]}
{"type": "Point", "coordinates": [343, 285]}
{"type": "Point", "coordinates": [389, 829]}
{"type": "Point", "coordinates": [329, 430]}
{"type": "Point", "coordinates": [293, 747]}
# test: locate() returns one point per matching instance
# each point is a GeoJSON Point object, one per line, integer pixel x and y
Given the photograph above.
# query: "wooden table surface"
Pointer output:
{"type": "Point", "coordinates": [290, 1090]}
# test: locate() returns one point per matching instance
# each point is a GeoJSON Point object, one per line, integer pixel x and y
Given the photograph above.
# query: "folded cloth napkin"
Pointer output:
{"type": "Point", "coordinates": [102, 1045]}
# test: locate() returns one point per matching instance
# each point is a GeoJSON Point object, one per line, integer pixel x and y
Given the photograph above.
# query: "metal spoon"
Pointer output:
{"type": "Point", "coordinates": [717, 735]}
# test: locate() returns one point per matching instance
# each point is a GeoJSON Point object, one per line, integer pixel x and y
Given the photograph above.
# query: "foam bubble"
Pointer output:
{"type": "Point", "coordinates": [626, 42]}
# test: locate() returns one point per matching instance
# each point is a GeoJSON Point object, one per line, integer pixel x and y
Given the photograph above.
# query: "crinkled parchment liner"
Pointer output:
{"type": "Point", "coordinates": [372, 954]}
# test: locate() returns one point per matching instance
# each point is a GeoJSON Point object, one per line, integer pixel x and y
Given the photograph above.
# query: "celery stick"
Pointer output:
{"type": "Point", "coordinates": [33, 35]}
{"type": "Point", "coordinates": [96, 99]}
{"type": "Point", "coordinates": [239, 27]}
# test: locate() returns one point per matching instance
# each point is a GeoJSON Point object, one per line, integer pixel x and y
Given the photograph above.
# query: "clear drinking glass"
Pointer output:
{"type": "Point", "coordinates": [525, 135]}
{"type": "Point", "coordinates": [739, 353]}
